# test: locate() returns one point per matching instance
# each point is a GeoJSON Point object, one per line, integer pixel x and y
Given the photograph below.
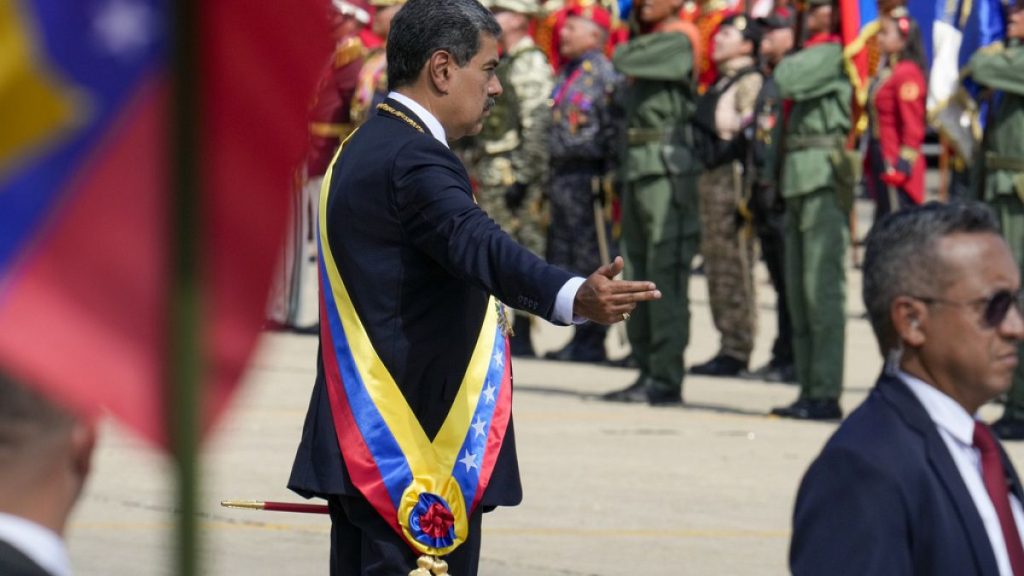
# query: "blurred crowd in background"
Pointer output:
{"type": "Point", "coordinates": [705, 137]}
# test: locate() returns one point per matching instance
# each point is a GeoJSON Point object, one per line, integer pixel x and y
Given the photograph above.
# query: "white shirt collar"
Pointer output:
{"type": "Point", "coordinates": [436, 130]}
{"type": "Point", "coordinates": [42, 545]}
{"type": "Point", "coordinates": [942, 409]}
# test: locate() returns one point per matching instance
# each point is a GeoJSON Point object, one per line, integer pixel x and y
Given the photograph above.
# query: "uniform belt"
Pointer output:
{"type": "Point", "coordinates": [328, 130]}
{"type": "Point", "coordinates": [797, 142]}
{"type": "Point", "coordinates": [647, 135]}
{"type": "Point", "coordinates": [994, 162]}
{"type": "Point", "coordinates": [577, 164]}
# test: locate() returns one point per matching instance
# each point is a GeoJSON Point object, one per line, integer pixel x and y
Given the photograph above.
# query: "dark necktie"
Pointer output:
{"type": "Point", "coordinates": [994, 476]}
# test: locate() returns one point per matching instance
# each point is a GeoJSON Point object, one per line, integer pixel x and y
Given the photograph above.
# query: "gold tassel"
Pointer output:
{"type": "Point", "coordinates": [430, 566]}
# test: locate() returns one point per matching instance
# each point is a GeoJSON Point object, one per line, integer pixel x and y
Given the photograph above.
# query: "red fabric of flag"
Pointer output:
{"type": "Point", "coordinates": [84, 276]}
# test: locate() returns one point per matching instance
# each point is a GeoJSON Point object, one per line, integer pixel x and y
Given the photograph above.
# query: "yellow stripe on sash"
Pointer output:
{"type": "Point", "coordinates": [426, 460]}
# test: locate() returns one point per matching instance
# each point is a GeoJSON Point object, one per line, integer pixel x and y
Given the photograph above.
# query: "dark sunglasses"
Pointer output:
{"type": "Point", "coordinates": [996, 306]}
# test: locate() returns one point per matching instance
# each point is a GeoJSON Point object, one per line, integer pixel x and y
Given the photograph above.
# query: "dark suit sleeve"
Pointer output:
{"type": "Point", "coordinates": [436, 208]}
{"type": "Point", "coordinates": [850, 519]}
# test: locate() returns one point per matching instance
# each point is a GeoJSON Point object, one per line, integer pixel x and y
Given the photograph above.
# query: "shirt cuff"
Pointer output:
{"type": "Point", "coordinates": [564, 302]}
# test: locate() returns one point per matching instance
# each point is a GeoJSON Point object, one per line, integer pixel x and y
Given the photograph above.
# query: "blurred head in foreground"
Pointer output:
{"type": "Point", "coordinates": [45, 455]}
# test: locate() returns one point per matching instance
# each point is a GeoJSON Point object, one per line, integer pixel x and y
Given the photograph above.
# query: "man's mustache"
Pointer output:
{"type": "Point", "coordinates": [489, 104]}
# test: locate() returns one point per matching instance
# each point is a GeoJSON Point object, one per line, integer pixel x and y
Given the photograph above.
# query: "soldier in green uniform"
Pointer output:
{"type": "Point", "coordinates": [1001, 179]}
{"type": "Point", "coordinates": [766, 202]}
{"type": "Point", "coordinates": [660, 228]}
{"type": "Point", "coordinates": [817, 189]}
{"type": "Point", "coordinates": [509, 158]}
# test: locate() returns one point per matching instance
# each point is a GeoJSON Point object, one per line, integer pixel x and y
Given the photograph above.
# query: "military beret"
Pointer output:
{"type": "Point", "coordinates": [745, 25]}
{"type": "Point", "coordinates": [780, 18]}
{"type": "Point", "coordinates": [592, 12]}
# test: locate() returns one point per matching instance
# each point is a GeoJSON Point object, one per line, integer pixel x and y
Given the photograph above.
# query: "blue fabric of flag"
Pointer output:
{"type": "Point", "coordinates": [99, 52]}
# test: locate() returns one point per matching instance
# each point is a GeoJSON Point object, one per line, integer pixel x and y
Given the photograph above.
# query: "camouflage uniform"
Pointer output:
{"type": "Point", "coordinates": [512, 147]}
{"type": "Point", "coordinates": [728, 249]}
{"type": "Point", "coordinates": [584, 144]}
{"type": "Point", "coordinates": [585, 135]}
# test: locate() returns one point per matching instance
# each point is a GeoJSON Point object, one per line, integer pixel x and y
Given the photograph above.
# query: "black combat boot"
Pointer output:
{"type": "Point", "coordinates": [720, 365]}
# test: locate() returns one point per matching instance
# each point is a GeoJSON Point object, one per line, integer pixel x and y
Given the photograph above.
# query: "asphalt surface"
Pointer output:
{"type": "Point", "coordinates": [610, 489]}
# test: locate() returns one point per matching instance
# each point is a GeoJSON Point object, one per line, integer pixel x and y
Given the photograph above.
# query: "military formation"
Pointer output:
{"type": "Point", "coordinates": [689, 140]}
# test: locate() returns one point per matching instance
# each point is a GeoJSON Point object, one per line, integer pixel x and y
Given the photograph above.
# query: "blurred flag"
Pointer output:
{"type": "Point", "coordinates": [858, 27]}
{"type": "Point", "coordinates": [858, 24]}
{"type": "Point", "coordinates": [984, 25]}
{"type": "Point", "coordinates": [961, 27]}
{"type": "Point", "coordinates": [85, 193]}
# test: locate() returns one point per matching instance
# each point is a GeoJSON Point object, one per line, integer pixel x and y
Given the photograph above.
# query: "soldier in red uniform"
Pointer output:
{"type": "Point", "coordinates": [896, 107]}
{"type": "Point", "coordinates": [295, 304]}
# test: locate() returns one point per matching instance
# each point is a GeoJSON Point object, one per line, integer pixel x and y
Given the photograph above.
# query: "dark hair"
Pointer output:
{"type": "Point", "coordinates": [27, 417]}
{"type": "Point", "coordinates": [901, 257]}
{"type": "Point", "coordinates": [422, 27]}
{"type": "Point", "coordinates": [914, 48]}
{"type": "Point", "coordinates": [749, 29]}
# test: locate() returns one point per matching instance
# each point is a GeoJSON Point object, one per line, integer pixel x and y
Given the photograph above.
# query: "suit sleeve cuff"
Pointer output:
{"type": "Point", "coordinates": [564, 302]}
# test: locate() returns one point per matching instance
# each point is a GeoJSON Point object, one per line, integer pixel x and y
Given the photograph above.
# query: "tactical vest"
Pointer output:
{"type": "Point", "coordinates": [711, 149]}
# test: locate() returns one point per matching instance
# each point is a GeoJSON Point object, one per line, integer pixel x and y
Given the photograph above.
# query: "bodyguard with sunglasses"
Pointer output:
{"type": "Point", "coordinates": [912, 482]}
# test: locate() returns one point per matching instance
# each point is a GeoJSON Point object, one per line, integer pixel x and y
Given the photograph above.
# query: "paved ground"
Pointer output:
{"type": "Point", "coordinates": [609, 489]}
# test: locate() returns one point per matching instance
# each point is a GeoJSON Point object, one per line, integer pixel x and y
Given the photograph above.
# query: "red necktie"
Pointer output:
{"type": "Point", "coordinates": [994, 476]}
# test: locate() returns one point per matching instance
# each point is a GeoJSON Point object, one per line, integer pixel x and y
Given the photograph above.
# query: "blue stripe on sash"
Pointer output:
{"type": "Point", "coordinates": [390, 459]}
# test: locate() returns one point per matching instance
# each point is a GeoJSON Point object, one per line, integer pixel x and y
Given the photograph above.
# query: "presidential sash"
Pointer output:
{"type": "Point", "coordinates": [426, 490]}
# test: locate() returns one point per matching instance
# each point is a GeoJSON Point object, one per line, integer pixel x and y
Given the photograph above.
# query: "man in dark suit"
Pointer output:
{"type": "Point", "coordinates": [912, 482]}
{"type": "Point", "coordinates": [45, 454]}
{"type": "Point", "coordinates": [419, 261]}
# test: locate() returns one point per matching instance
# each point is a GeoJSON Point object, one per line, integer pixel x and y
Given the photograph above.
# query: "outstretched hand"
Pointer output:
{"type": "Point", "coordinates": [607, 301]}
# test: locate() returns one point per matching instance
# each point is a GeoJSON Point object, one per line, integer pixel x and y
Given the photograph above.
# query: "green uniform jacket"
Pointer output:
{"type": "Point", "coordinates": [658, 101]}
{"type": "Point", "coordinates": [814, 81]}
{"type": "Point", "coordinates": [1003, 146]}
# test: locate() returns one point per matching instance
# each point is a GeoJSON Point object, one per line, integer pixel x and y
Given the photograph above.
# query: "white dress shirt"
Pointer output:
{"type": "Point", "coordinates": [42, 545]}
{"type": "Point", "coordinates": [956, 427]}
{"type": "Point", "coordinates": [567, 293]}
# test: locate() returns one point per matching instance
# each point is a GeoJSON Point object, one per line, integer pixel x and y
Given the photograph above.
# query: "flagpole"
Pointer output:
{"type": "Point", "coordinates": [184, 366]}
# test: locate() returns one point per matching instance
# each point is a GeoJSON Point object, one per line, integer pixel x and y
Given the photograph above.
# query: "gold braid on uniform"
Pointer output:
{"type": "Point", "coordinates": [400, 115]}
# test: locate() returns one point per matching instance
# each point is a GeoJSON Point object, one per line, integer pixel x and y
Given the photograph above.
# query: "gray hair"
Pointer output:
{"type": "Point", "coordinates": [422, 27]}
{"type": "Point", "coordinates": [902, 258]}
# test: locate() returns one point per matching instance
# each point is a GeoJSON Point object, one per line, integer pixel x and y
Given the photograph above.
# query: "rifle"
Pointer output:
{"type": "Point", "coordinates": [800, 25]}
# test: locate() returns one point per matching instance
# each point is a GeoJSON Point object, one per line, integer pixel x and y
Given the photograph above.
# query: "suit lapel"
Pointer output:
{"type": "Point", "coordinates": [906, 404]}
{"type": "Point", "coordinates": [14, 561]}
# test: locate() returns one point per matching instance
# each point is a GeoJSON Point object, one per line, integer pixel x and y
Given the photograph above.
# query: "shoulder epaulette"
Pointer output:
{"type": "Point", "coordinates": [993, 48]}
{"type": "Point", "coordinates": [348, 51]}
